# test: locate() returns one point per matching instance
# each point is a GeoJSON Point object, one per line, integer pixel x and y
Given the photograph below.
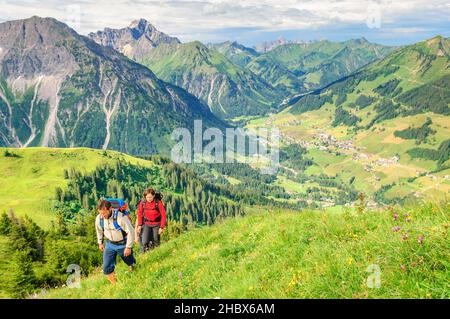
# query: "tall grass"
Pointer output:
{"type": "Point", "coordinates": [285, 254]}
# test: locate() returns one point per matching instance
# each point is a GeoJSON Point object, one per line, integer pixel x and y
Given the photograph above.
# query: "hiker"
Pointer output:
{"type": "Point", "coordinates": [119, 233]}
{"type": "Point", "coordinates": [151, 219]}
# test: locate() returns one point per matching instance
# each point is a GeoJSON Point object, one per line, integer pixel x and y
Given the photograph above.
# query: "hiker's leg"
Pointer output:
{"type": "Point", "coordinates": [129, 260]}
{"type": "Point", "coordinates": [141, 245]}
{"type": "Point", "coordinates": [155, 236]}
{"type": "Point", "coordinates": [146, 237]}
{"type": "Point", "coordinates": [151, 244]}
{"type": "Point", "coordinates": [109, 259]}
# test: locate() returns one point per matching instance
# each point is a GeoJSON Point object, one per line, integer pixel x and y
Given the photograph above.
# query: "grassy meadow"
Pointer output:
{"type": "Point", "coordinates": [286, 254]}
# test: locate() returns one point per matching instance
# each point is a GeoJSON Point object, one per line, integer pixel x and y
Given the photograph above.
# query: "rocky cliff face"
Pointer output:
{"type": "Point", "coordinates": [265, 47]}
{"type": "Point", "coordinates": [134, 41]}
{"type": "Point", "coordinates": [58, 88]}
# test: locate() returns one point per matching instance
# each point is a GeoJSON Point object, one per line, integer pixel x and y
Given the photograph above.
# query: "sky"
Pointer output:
{"type": "Point", "coordinates": [391, 22]}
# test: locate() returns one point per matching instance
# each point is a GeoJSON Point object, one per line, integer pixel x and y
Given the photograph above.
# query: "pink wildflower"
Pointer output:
{"type": "Point", "coordinates": [421, 239]}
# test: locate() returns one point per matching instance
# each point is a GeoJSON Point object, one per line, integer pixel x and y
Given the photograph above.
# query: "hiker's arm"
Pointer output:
{"type": "Point", "coordinates": [162, 210]}
{"type": "Point", "coordinates": [126, 225]}
{"type": "Point", "coordinates": [99, 230]}
{"type": "Point", "coordinates": [139, 215]}
{"type": "Point", "coordinates": [137, 231]}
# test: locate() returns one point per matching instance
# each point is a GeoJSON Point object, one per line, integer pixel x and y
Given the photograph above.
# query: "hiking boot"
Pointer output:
{"type": "Point", "coordinates": [112, 278]}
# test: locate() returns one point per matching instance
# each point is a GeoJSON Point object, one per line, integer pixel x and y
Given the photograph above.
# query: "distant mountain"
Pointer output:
{"type": "Point", "coordinates": [134, 41]}
{"type": "Point", "coordinates": [228, 89]}
{"type": "Point", "coordinates": [58, 88]}
{"type": "Point", "coordinates": [411, 80]}
{"type": "Point", "coordinates": [277, 74]}
{"type": "Point", "coordinates": [261, 65]}
{"type": "Point", "coordinates": [318, 64]}
{"type": "Point", "coordinates": [299, 67]}
{"type": "Point", "coordinates": [267, 46]}
{"type": "Point", "coordinates": [235, 52]}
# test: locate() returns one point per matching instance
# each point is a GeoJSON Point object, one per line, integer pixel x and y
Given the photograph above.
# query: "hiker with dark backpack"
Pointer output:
{"type": "Point", "coordinates": [151, 219]}
{"type": "Point", "coordinates": [115, 226]}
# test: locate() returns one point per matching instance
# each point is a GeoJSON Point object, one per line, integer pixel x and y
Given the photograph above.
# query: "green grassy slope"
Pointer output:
{"type": "Point", "coordinates": [59, 188]}
{"type": "Point", "coordinates": [235, 52]}
{"type": "Point", "coordinates": [262, 65]}
{"type": "Point", "coordinates": [322, 62]}
{"type": "Point", "coordinates": [29, 180]}
{"type": "Point", "coordinates": [281, 254]}
{"type": "Point", "coordinates": [277, 74]}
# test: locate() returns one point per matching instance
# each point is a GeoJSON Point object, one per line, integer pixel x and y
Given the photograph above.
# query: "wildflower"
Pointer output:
{"type": "Point", "coordinates": [405, 236]}
{"type": "Point", "coordinates": [396, 228]}
{"type": "Point", "coordinates": [408, 218]}
{"type": "Point", "coordinates": [421, 239]}
{"type": "Point", "coordinates": [349, 261]}
{"type": "Point", "coordinates": [395, 216]}
{"type": "Point", "coordinates": [403, 267]}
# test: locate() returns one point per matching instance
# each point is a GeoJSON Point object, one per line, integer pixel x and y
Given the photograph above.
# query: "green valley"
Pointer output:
{"type": "Point", "coordinates": [370, 130]}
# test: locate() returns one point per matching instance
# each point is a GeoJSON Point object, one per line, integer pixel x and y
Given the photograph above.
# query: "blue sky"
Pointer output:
{"type": "Point", "coordinates": [393, 22]}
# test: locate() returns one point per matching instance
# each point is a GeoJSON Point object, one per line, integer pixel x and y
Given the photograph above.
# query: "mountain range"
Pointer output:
{"type": "Point", "coordinates": [228, 89]}
{"type": "Point", "coordinates": [235, 80]}
{"type": "Point", "coordinates": [127, 89]}
{"type": "Point", "coordinates": [267, 46]}
{"type": "Point", "coordinates": [413, 79]}
{"type": "Point", "coordinates": [59, 88]}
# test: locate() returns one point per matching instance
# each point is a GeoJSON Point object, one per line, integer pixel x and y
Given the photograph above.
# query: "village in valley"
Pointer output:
{"type": "Point", "coordinates": [321, 140]}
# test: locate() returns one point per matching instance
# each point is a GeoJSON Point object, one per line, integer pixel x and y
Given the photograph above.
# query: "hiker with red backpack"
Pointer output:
{"type": "Point", "coordinates": [151, 219]}
{"type": "Point", "coordinates": [114, 225]}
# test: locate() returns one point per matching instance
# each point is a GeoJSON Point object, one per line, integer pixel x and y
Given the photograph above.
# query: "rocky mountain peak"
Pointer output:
{"type": "Point", "coordinates": [141, 27]}
{"type": "Point", "coordinates": [25, 47]}
{"type": "Point", "coordinates": [134, 41]}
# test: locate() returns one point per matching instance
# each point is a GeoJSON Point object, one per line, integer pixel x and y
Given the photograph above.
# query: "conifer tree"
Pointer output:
{"type": "Point", "coordinates": [5, 224]}
{"type": "Point", "coordinates": [22, 277]}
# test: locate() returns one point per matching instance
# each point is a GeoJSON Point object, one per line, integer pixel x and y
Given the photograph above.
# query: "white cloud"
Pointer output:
{"type": "Point", "coordinates": [202, 18]}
